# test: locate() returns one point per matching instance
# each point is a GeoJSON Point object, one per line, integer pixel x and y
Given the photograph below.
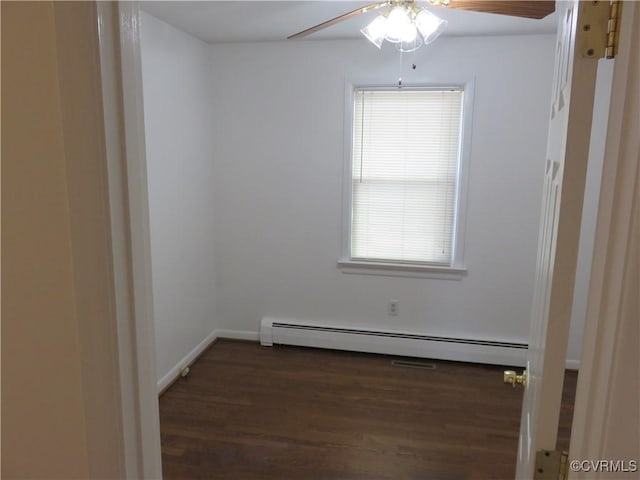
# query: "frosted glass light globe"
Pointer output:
{"type": "Point", "coordinates": [375, 31]}
{"type": "Point", "coordinates": [399, 25]}
{"type": "Point", "coordinates": [429, 25]}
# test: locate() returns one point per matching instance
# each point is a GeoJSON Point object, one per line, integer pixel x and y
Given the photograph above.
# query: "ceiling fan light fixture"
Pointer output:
{"type": "Point", "coordinates": [407, 26]}
{"type": "Point", "coordinates": [429, 25]}
{"type": "Point", "coordinates": [376, 30]}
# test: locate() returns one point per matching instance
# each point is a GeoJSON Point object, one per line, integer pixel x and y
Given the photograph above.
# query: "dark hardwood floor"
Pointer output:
{"type": "Point", "coordinates": [247, 412]}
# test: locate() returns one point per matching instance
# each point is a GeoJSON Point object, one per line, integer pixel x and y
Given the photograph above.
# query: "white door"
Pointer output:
{"type": "Point", "coordinates": [566, 165]}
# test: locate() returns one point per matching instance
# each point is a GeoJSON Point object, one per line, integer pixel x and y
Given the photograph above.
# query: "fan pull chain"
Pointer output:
{"type": "Point", "coordinates": [413, 66]}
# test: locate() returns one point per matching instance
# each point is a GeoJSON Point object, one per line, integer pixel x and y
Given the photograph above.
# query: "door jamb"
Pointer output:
{"type": "Point", "coordinates": [119, 36]}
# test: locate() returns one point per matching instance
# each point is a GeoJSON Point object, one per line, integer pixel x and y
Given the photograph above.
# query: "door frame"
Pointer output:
{"type": "Point", "coordinates": [606, 399]}
{"type": "Point", "coordinates": [122, 88]}
{"type": "Point", "coordinates": [121, 75]}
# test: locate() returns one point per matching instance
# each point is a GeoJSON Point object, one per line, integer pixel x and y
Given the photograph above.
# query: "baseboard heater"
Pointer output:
{"type": "Point", "coordinates": [287, 332]}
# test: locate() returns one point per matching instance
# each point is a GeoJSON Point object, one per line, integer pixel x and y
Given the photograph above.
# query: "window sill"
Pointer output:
{"type": "Point", "coordinates": [389, 269]}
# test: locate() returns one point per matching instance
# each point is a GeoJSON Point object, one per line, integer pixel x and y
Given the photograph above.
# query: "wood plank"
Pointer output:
{"type": "Point", "coordinates": [518, 8]}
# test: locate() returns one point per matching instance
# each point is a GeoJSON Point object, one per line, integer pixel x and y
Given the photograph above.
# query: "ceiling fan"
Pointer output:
{"type": "Point", "coordinates": [410, 26]}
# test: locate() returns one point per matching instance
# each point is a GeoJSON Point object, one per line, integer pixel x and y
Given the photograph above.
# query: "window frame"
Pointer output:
{"type": "Point", "coordinates": [456, 270]}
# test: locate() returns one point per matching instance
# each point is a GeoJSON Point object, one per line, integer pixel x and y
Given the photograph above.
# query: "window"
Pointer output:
{"type": "Point", "coordinates": [405, 178]}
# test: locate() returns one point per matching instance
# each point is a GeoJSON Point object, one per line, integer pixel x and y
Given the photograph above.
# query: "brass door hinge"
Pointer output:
{"type": "Point", "coordinates": [599, 28]}
{"type": "Point", "coordinates": [551, 465]}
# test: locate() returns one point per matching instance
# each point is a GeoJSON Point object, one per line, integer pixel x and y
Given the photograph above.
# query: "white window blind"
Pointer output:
{"type": "Point", "coordinates": [406, 147]}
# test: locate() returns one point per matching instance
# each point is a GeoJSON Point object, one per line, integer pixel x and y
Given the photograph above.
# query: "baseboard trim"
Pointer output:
{"type": "Point", "coordinates": [172, 375]}
{"type": "Point", "coordinates": [238, 334]}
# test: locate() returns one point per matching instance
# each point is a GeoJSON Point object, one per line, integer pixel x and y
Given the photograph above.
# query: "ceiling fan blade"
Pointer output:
{"type": "Point", "coordinates": [529, 9]}
{"type": "Point", "coordinates": [340, 18]}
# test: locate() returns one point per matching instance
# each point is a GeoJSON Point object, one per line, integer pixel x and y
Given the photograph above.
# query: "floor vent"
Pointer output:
{"type": "Point", "coordinates": [413, 364]}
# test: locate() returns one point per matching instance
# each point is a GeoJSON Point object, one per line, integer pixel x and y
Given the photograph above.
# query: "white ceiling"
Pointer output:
{"type": "Point", "coordinates": [262, 21]}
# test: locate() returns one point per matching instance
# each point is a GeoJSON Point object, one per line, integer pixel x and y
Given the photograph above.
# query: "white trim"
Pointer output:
{"type": "Point", "coordinates": [463, 174]}
{"type": "Point", "coordinates": [139, 230]}
{"type": "Point", "coordinates": [191, 357]}
{"type": "Point", "coordinates": [350, 265]}
{"type": "Point", "coordinates": [349, 109]}
{"type": "Point", "coordinates": [238, 334]}
{"type": "Point", "coordinates": [410, 270]}
{"type": "Point", "coordinates": [186, 361]}
{"type": "Point", "coordinates": [118, 209]}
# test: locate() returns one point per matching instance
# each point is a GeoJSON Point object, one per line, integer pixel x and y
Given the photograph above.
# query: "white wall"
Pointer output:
{"type": "Point", "coordinates": [279, 133]}
{"type": "Point", "coordinates": [175, 69]}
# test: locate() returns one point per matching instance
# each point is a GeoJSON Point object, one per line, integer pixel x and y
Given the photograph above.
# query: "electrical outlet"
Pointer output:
{"type": "Point", "coordinates": [393, 307]}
